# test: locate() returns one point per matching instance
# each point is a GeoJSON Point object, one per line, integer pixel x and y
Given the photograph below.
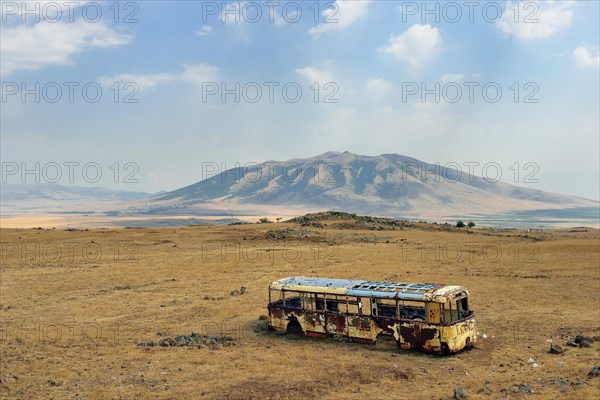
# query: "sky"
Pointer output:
{"type": "Point", "coordinates": [146, 95]}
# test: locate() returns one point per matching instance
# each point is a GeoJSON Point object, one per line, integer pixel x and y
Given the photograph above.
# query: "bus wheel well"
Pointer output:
{"type": "Point", "coordinates": [446, 349]}
{"type": "Point", "coordinates": [294, 327]}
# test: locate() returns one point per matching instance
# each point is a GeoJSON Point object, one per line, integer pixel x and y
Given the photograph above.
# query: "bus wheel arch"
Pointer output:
{"type": "Point", "coordinates": [294, 327]}
{"type": "Point", "coordinates": [446, 349]}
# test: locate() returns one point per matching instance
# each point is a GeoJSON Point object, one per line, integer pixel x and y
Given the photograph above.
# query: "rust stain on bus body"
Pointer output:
{"type": "Point", "coordinates": [437, 339]}
{"type": "Point", "coordinates": [425, 330]}
{"type": "Point", "coordinates": [318, 324]}
{"type": "Point", "coordinates": [409, 335]}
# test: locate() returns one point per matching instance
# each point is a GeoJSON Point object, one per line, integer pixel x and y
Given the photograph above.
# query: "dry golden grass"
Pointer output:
{"type": "Point", "coordinates": [75, 318]}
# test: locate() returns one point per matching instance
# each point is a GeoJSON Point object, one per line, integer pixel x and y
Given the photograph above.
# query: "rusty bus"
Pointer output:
{"type": "Point", "coordinates": [426, 317]}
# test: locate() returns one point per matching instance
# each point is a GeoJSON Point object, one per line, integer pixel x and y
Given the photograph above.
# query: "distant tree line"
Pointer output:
{"type": "Point", "coordinates": [461, 224]}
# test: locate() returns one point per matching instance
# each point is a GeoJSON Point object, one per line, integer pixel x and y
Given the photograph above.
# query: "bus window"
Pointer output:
{"type": "Point", "coordinates": [309, 302]}
{"type": "Point", "coordinates": [276, 297]}
{"type": "Point", "coordinates": [292, 299]}
{"type": "Point", "coordinates": [462, 306]}
{"type": "Point", "coordinates": [412, 310]}
{"type": "Point", "coordinates": [320, 302]}
{"type": "Point", "coordinates": [386, 308]}
{"type": "Point", "coordinates": [331, 303]}
{"type": "Point", "coordinates": [450, 312]}
{"type": "Point", "coordinates": [353, 305]}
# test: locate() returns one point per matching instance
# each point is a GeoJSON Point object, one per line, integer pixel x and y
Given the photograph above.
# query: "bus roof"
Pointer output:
{"type": "Point", "coordinates": [363, 288]}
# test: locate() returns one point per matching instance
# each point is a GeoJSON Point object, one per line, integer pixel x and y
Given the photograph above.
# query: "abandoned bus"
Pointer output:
{"type": "Point", "coordinates": [427, 317]}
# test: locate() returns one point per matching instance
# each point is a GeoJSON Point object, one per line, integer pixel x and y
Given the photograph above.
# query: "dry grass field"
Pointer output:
{"type": "Point", "coordinates": [75, 304]}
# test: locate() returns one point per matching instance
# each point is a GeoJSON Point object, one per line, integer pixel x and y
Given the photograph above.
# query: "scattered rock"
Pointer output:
{"type": "Point", "coordinates": [263, 318]}
{"type": "Point", "coordinates": [166, 342]}
{"type": "Point", "coordinates": [524, 388]}
{"type": "Point", "coordinates": [485, 390]}
{"type": "Point", "coordinates": [531, 360]}
{"type": "Point", "coordinates": [578, 382]}
{"type": "Point", "coordinates": [181, 341]}
{"type": "Point", "coordinates": [582, 341]}
{"type": "Point", "coordinates": [52, 382]}
{"type": "Point", "coordinates": [556, 349]}
{"type": "Point", "coordinates": [582, 338]}
{"type": "Point", "coordinates": [238, 292]}
{"type": "Point", "coordinates": [460, 393]}
{"type": "Point", "coordinates": [595, 372]}
{"type": "Point", "coordinates": [192, 340]}
{"type": "Point", "coordinates": [561, 383]}
{"type": "Point", "coordinates": [520, 388]}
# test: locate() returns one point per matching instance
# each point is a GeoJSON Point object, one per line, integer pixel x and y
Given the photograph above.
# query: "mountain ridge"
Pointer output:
{"type": "Point", "coordinates": [388, 184]}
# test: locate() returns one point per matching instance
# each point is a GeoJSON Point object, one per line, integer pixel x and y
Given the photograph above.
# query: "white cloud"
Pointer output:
{"type": "Point", "coordinates": [49, 10]}
{"type": "Point", "coordinates": [378, 86]}
{"type": "Point", "coordinates": [142, 81]}
{"type": "Point", "coordinates": [33, 47]}
{"type": "Point", "coordinates": [446, 78]}
{"type": "Point", "coordinates": [586, 56]}
{"type": "Point", "coordinates": [535, 19]}
{"type": "Point", "coordinates": [205, 30]}
{"type": "Point", "coordinates": [416, 45]}
{"type": "Point", "coordinates": [343, 14]}
{"type": "Point", "coordinates": [196, 74]}
{"type": "Point", "coordinates": [313, 74]}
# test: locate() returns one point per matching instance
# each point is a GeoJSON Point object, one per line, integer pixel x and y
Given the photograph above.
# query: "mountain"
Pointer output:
{"type": "Point", "coordinates": [55, 197]}
{"type": "Point", "coordinates": [387, 185]}
{"type": "Point", "coordinates": [54, 191]}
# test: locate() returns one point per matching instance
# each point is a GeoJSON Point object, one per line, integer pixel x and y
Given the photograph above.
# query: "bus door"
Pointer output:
{"type": "Point", "coordinates": [314, 314]}
{"type": "Point", "coordinates": [335, 314]}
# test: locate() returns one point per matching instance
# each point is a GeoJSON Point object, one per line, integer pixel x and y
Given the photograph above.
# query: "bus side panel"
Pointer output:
{"type": "Point", "coordinates": [363, 329]}
{"type": "Point", "coordinates": [459, 335]}
{"type": "Point", "coordinates": [277, 319]}
{"type": "Point", "coordinates": [313, 323]}
{"type": "Point", "coordinates": [336, 325]}
{"type": "Point", "coordinates": [417, 335]}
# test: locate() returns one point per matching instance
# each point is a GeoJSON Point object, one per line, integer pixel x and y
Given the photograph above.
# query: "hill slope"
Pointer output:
{"type": "Point", "coordinates": [388, 185]}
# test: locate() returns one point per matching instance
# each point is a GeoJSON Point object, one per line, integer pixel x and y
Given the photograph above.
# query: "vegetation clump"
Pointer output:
{"type": "Point", "coordinates": [351, 221]}
{"type": "Point", "coordinates": [278, 234]}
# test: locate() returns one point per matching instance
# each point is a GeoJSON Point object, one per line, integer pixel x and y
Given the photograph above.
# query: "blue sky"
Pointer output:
{"type": "Point", "coordinates": [172, 53]}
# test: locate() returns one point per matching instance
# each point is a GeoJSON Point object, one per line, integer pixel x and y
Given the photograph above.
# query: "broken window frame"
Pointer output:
{"type": "Point", "coordinates": [412, 310]}
{"type": "Point", "coordinates": [285, 298]}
